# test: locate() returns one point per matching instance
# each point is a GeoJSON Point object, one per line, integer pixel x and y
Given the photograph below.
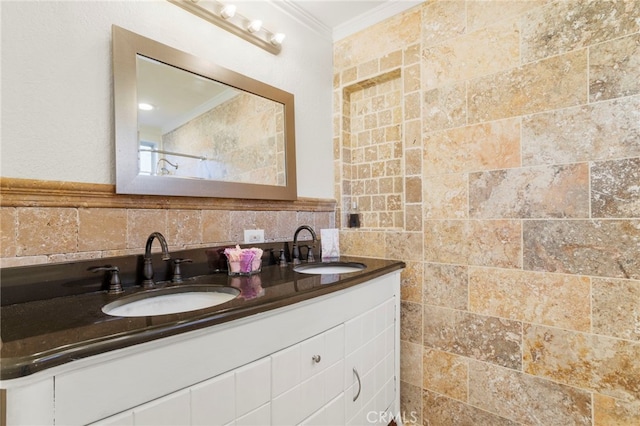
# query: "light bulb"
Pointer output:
{"type": "Point", "coordinates": [254, 26]}
{"type": "Point", "coordinates": [277, 39]}
{"type": "Point", "coordinates": [145, 107]}
{"type": "Point", "coordinates": [228, 11]}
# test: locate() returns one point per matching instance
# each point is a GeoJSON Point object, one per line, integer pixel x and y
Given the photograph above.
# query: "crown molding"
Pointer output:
{"type": "Point", "coordinates": [384, 11]}
{"type": "Point", "coordinates": [372, 17]}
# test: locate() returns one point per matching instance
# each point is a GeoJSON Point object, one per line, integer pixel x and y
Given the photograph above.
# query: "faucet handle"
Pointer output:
{"type": "Point", "coordinates": [177, 273]}
{"type": "Point", "coordinates": [115, 286]}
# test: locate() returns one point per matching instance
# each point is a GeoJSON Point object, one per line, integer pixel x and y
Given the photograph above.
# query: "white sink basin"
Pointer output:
{"type": "Point", "coordinates": [330, 268]}
{"type": "Point", "coordinates": [171, 300]}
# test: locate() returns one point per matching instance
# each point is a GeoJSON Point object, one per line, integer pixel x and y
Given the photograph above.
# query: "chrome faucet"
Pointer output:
{"type": "Point", "coordinates": [148, 266]}
{"type": "Point", "coordinates": [296, 252]}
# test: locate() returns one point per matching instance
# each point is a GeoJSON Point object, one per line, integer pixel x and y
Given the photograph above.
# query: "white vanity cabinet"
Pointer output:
{"type": "Point", "coordinates": [329, 360]}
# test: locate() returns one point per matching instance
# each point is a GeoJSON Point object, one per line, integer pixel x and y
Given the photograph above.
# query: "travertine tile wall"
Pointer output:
{"type": "Point", "coordinates": [36, 235]}
{"type": "Point", "coordinates": [228, 135]}
{"type": "Point", "coordinates": [521, 205]}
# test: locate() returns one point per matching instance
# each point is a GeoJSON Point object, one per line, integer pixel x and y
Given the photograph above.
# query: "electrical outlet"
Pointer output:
{"type": "Point", "coordinates": [253, 236]}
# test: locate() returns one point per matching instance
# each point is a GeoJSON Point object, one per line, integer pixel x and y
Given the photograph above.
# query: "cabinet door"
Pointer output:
{"type": "Point", "coordinates": [331, 414]}
{"type": "Point", "coordinates": [261, 416]}
{"type": "Point", "coordinates": [213, 402]}
{"type": "Point", "coordinates": [369, 372]}
{"type": "Point", "coordinates": [122, 419]}
{"type": "Point", "coordinates": [253, 386]}
{"type": "Point", "coordinates": [170, 410]}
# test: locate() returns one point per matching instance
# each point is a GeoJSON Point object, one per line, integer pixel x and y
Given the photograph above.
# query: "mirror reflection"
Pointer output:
{"type": "Point", "coordinates": [191, 126]}
{"type": "Point", "coordinates": [185, 126]}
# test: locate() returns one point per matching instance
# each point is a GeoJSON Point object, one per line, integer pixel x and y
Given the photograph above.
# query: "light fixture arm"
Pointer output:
{"type": "Point", "coordinates": [262, 38]}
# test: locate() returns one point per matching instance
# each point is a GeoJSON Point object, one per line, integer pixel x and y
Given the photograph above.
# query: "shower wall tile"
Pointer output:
{"type": "Point", "coordinates": [566, 25]}
{"type": "Point", "coordinates": [441, 410]}
{"type": "Point", "coordinates": [390, 35]}
{"type": "Point", "coordinates": [410, 322]}
{"type": "Point", "coordinates": [442, 21]}
{"type": "Point", "coordinates": [606, 365]}
{"type": "Point", "coordinates": [614, 68]}
{"type": "Point", "coordinates": [486, 51]}
{"type": "Point", "coordinates": [553, 83]}
{"type": "Point", "coordinates": [411, 404]}
{"type": "Point", "coordinates": [611, 411]}
{"type": "Point", "coordinates": [482, 14]}
{"type": "Point", "coordinates": [494, 145]}
{"type": "Point", "coordinates": [8, 230]}
{"type": "Point", "coordinates": [536, 192]}
{"type": "Point", "coordinates": [446, 196]}
{"type": "Point", "coordinates": [444, 107]}
{"type": "Point", "coordinates": [616, 308]}
{"type": "Point", "coordinates": [607, 248]}
{"type": "Point", "coordinates": [446, 286]}
{"type": "Point", "coordinates": [104, 228]}
{"type": "Point", "coordinates": [47, 230]}
{"type": "Point", "coordinates": [473, 242]}
{"type": "Point", "coordinates": [445, 373]}
{"type": "Point", "coordinates": [411, 282]}
{"type": "Point", "coordinates": [615, 188]}
{"type": "Point", "coordinates": [602, 131]}
{"type": "Point", "coordinates": [528, 399]}
{"type": "Point", "coordinates": [553, 299]}
{"type": "Point", "coordinates": [411, 363]}
{"type": "Point", "coordinates": [494, 340]}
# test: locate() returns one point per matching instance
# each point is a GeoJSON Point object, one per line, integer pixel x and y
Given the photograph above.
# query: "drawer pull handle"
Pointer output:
{"type": "Point", "coordinates": [316, 358]}
{"type": "Point", "coordinates": [359, 384]}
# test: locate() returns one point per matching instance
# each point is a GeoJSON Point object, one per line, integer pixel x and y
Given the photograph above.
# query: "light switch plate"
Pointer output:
{"type": "Point", "coordinates": [252, 236]}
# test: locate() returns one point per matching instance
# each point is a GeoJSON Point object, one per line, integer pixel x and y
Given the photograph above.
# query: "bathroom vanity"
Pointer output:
{"type": "Point", "coordinates": [293, 348]}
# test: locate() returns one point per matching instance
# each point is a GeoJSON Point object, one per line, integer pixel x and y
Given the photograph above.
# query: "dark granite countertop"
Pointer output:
{"type": "Point", "coordinates": [41, 334]}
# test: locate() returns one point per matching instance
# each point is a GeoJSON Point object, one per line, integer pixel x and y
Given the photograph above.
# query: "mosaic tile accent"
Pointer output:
{"type": "Point", "coordinates": [445, 285]}
{"type": "Point", "coordinates": [607, 248]}
{"type": "Point", "coordinates": [564, 25]}
{"type": "Point", "coordinates": [103, 228]}
{"type": "Point", "coordinates": [494, 145]}
{"type": "Point", "coordinates": [441, 410]}
{"type": "Point", "coordinates": [46, 230]}
{"type": "Point", "coordinates": [445, 373]}
{"type": "Point", "coordinates": [603, 364]}
{"type": "Point", "coordinates": [489, 339]}
{"type": "Point", "coordinates": [543, 298]}
{"type": "Point", "coordinates": [615, 188]}
{"type": "Point", "coordinates": [486, 51]}
{"type": "Point", "coordinates": [616, 308]}
{"type": "Point", "coordinates": [603, 131]}
{"type": "Point", "coordinates": [536, 192]}
{"type": "Point", "coordinates": [473, 242]}
{"type": "Point", "coordinates": [610, 411]}
{"type": "Point", "coordinates": [614, 68]}
{"type": "Point", "coordinates": [528, 399]}
{"type": "Point", "coordinates": [553, 83]}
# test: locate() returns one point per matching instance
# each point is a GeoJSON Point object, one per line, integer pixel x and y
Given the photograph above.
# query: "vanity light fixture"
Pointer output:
{"type": "Point", "coordinates": [254, 26]}
{"type": "Point", "coordinates": [225, 17]}
{"type": "Point", "coordinates": [145, 107]}
{"type": "Point", "coordinates": [228, 11]}
{"type": "Point", "coordinates": [277, 39]}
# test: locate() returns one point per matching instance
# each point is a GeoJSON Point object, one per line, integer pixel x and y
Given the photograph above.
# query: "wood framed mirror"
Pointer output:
{"type": "Point", "coordinates": [187, 127]}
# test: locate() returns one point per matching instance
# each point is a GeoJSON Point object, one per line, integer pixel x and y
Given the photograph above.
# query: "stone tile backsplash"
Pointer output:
{"type": "Point", "coordinates": [528, 136]}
